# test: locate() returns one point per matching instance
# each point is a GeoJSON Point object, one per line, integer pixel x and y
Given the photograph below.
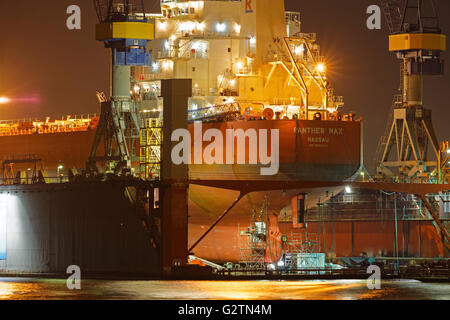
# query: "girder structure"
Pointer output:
{"type": "Point", "coordinates": [244, 187]}
{"type": "Point", "coordinates": [444, 163]}
{"type": "Point", "coordinates": [410, 147]}
{"type": "Point", "coordinates": [151, 149]}
{"type": "Point", "coordinates": [393, 14]}
{"type": "Point", "coordinates": [124, 29]}
{"type": "Point", "coordinates": [299, 58]}
{"type": "Point", "coordinates": [301, 70]}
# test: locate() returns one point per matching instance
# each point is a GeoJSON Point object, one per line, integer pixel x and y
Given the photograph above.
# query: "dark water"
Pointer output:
{"type": "Point", "coordinates": [56, 289]}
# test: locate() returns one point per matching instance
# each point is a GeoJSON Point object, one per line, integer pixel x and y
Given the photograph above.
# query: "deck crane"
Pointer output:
{"type": "Point", "coordinates": [416, 38]}
{"type": "Point", "coordinates": [124, 29]}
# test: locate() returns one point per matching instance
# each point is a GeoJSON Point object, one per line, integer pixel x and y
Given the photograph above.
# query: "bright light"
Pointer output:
{"type": "Point", "coordinates": [173, 37]}
{"type": "Point", "coordinates": [221, 27]}
{"type": "Point", "coordinates": [320, 67]}
{"type": "Point", "coordinates": [196, 85]}
{"type": "Point", "coordinates": [196, 45]}
{"type": "Point", "coordinates": [253, 40]}
{"type": "Point", "coordinates": [280, 263]}
{"type": "Point", "coordinates": [167, 45]}
{"type": "Point", "coordinates": [137, 89]}
{"type": "Point", "coordinates": [239, 65]}
{"type": "Point", "coordinates": [4, 100]}
{"type": "Point", "coordinates": [60, 167]}
{"type": "Point", "coordinates": [155, 66]}
{"type": "Point", "coordinates": [448, 151]}
{"type": "Point", "coordinates": [232, 82]}
{"type": "Point", "coordinates": [298, 50]}
{"type": "Point", "coordinates": [201, 26]}
{"type": "Point", "coordinates": [271, 266]}
{"type": "Point", "coordinates": [186, 26]}
{"type": "Point", "coordinates": [166, 65]}
{"type": "Point", "coordinates": [348, 189]}
{"type": "Point", "coordinates": [163, 26]}
{"type": "Point", "coordinates": [237, 28]}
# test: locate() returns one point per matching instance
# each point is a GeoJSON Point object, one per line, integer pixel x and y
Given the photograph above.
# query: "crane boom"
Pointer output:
{"type": "Point", "coordinates": [392, 10]}
{"type": "Point", "coordinates": [118, 10]}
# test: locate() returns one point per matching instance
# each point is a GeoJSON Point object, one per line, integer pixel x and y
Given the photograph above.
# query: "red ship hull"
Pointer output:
{"type": "Point", "coordinates": [309, 150]}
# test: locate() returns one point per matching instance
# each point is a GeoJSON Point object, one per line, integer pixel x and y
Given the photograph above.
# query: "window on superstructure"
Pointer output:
{"type": "Point", "coordinates": [192, 10]}
{"type": "Point", "coordinates": [347, 198]}
{"type": "Point", "coordinates": [446, 202]}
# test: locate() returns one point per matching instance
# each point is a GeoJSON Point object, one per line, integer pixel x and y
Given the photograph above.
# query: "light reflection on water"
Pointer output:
{"type": "Point", "coordinates": [55, 289]}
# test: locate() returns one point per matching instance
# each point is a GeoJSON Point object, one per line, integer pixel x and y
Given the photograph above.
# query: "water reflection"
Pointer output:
{"type": "Point", "coordinates": [55, 289]}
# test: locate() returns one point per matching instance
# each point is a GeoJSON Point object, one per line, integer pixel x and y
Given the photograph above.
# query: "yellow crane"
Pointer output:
{"type": "Point", "coordinates": [410, 151]}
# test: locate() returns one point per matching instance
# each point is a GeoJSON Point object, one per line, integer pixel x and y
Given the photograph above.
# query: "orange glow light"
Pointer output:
{"type": "Point", "coordinates": [4, 100]}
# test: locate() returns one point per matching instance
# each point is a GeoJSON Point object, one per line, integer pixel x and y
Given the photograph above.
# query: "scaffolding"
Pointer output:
{"type": "Point", "coordinates": [9, 176]}
{"type": "Point", "coordinates": [298, 248]}
{"type": "Point", "coordinates": [253, 240]}
{"type": "Point", "coordinates": [150, 146]}
{"type": "Point", "coordinates": [380, 206]}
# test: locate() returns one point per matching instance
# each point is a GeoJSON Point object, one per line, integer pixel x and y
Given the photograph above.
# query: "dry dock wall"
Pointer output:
{"type": "Point", "coordinates": [46, 228]}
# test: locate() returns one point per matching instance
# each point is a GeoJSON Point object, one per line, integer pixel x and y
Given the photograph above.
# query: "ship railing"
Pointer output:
{"type": "Point", "coordinates": [87, 116]}
{"type": "Point", "coordinates": [158, 76]}
{"type": "Point", "coordinates": [213, 111]}
{"type": "Point", "coordinates": [17, 121]}
{"type": "Point", "coordinates": [30, 179]}
{"type": "Point", "coordinates": [65, 118]}
{"type": "Point", "coordinates": [31, 126]}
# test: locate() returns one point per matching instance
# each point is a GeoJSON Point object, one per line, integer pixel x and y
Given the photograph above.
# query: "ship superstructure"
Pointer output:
{"type": "Point", "coordinates": [252, 53]}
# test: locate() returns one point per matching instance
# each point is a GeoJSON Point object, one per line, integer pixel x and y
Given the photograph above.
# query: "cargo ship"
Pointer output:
{"type": "Point", "coordinates": [252, 68]}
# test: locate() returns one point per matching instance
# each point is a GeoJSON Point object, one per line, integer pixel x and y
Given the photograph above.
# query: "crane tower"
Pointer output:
{"type": "Point", "coordinates": [417, 40]}
{"type": "Point", "coordinates": [124, 29]}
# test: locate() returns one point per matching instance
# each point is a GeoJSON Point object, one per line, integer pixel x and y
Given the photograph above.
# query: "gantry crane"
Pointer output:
{"type": "Point", "coordinates": [123, 28]}
{"type": "Point", "coordinates": [416, 38]}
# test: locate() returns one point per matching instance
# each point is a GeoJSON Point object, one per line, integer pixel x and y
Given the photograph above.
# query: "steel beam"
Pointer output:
{"type": "Point", "coordinates": [249, 186]}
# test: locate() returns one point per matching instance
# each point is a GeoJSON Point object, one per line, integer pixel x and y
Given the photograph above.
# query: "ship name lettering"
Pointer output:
{"type": "Point", "coordinates": [318, 140]}
{"type": "Point", "coordinates": [336, 131]}
{"type": "Point", "coordinates": [311, 130]}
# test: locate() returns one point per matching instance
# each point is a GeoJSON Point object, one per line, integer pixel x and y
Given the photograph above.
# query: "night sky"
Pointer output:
{"type": "Point", "coordinates": [59, 70]}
